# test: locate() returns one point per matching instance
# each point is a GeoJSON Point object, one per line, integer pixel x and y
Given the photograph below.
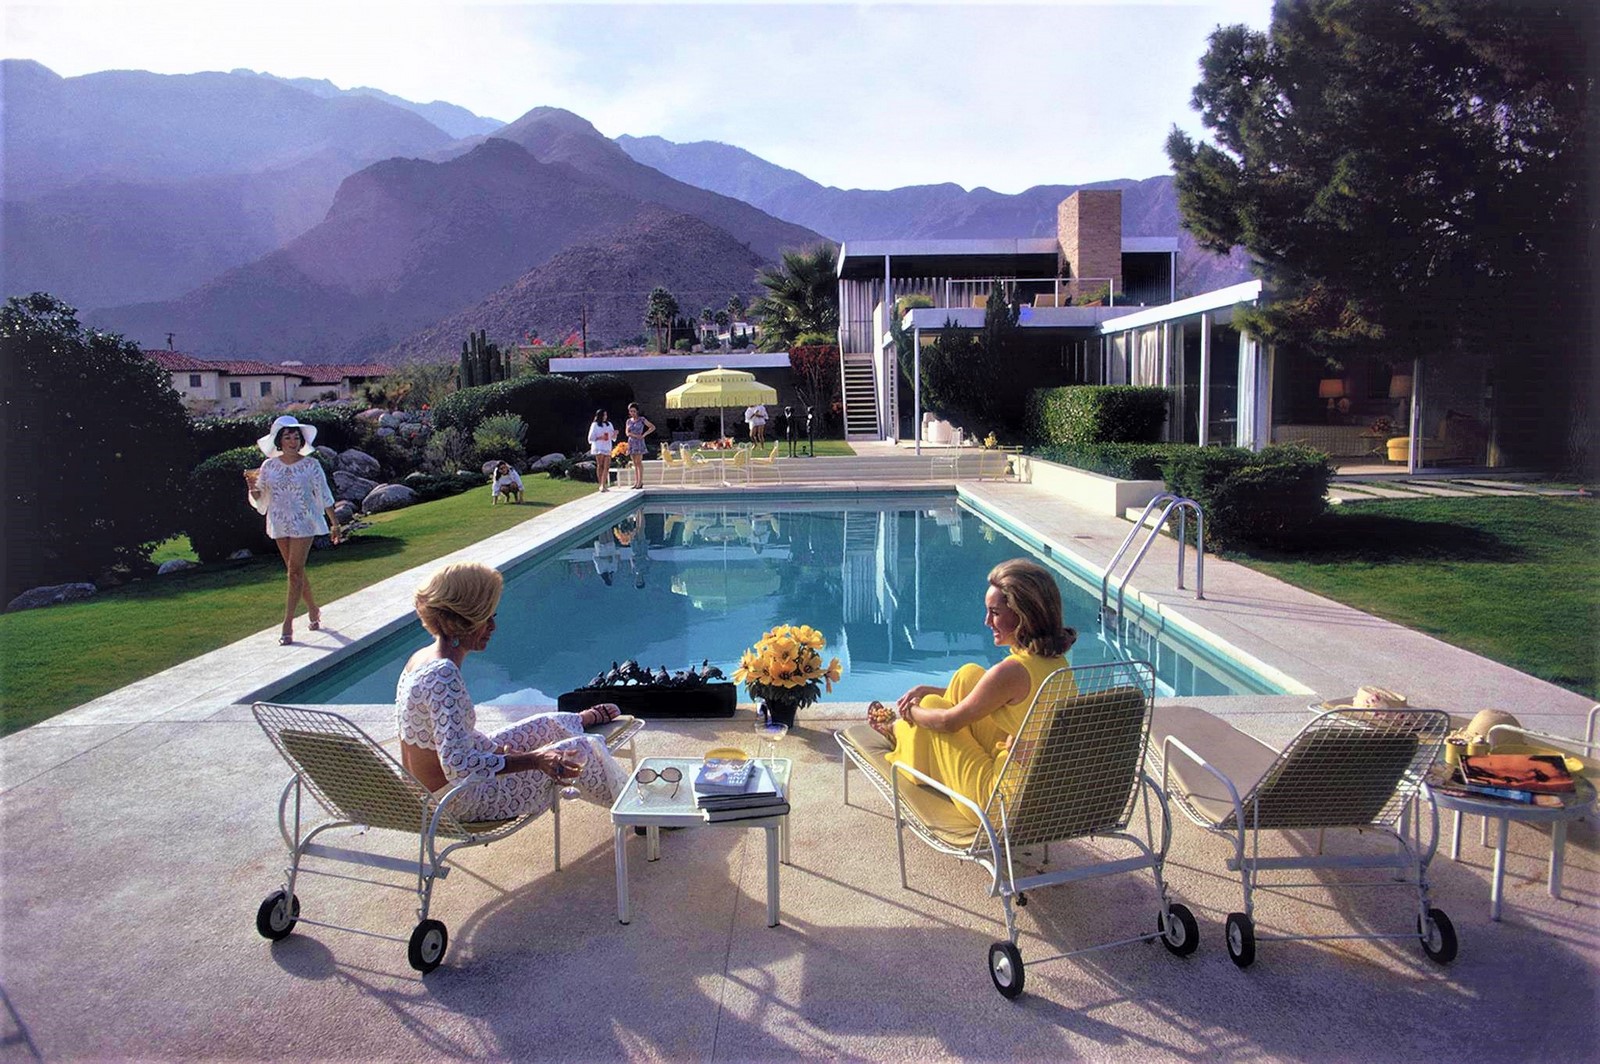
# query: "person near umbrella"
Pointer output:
{"type": "Point", "coordinates": [602, 436]}
{"type": "Point", "coordinates": [637, 427]}
{"type": "Point", "coordinates": [291, 489]}
{"type": "Point", "coordinates": [756, 417]}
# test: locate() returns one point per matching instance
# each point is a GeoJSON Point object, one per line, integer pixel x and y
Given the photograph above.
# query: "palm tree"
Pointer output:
{"type": "Point", "coordinates": [802, 296]}
{"type": "Point", "coordinates": [735, 307]}
{"type": "Point", "coordinates": [707, 316]}
{"type": "Point", "coordinates": [659, 311]}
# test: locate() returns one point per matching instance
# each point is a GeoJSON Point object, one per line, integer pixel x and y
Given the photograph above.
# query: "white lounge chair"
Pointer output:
{"type": "Point", "coordinates": [360, 784]}
{"type": "Point", "coordinates": [1348, 768]}
{"type": "Point", "coordinates": [1075, 773]}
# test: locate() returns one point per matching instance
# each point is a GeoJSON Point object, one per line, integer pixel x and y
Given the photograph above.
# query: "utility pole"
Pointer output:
{"type": "Point", "coordinates": [583, 327]}
{"type": "Point", "coordinates": [169, 342]}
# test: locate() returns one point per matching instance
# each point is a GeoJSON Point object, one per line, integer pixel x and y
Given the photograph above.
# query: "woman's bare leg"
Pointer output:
{"type": "Point", "coordinates": [294, 551]}
{"type": "Point", "coordinates": [602, 468]}
{"type": "Point", "coordinates": [638, 470]}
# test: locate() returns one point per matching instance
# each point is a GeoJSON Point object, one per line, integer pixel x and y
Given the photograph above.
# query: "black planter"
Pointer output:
{"type": "Point", "coordinates": [778, 712]}
{"type": "Point", "coordinates": [708, 700]}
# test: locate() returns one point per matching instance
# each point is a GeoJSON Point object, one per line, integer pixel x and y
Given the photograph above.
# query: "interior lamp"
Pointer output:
{"type": "Point", "coordinates": [1331, 389]}
{"type": "Point", "coordinates": [1400, 386]}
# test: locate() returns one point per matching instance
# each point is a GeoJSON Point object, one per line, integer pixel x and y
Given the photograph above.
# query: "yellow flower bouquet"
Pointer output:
{"type": "Point", "coordinates": [785, 667]}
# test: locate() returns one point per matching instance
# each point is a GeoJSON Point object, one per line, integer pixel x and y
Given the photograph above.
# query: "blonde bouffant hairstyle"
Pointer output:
{"type": "Point", "coordinates": [1031, 593]}
{"type": "Point", "coordinates": [458, 599]}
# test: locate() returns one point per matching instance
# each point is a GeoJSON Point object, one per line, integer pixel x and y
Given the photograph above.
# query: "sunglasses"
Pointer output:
{"type": "Point", "coordinates": [670, 775]}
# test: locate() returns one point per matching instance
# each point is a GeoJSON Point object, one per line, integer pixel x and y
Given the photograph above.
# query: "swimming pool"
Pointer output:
{"type": "Point", "coordinates": [895, 582]}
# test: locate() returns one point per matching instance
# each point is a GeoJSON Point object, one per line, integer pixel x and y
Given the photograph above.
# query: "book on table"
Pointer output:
{"type": "Point", "coordinates": [723, 775]}
{"type": "Point", "coordinates": [1446, 780]}
{"type": "Point", "coordinates": [1534, 773]}
{"type": "Point", "coordinates": [759, 789]}
{"type": "Point", "coordinates": [715, 816]}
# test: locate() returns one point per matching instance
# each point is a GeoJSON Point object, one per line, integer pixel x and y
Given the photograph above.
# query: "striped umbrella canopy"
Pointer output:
{"type": "Point", "coordinates": [720, 388]}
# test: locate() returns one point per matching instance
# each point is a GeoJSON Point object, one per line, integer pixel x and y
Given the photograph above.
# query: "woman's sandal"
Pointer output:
{"type": "Point", "coordinates": [596, 715]}
{"type": "Point", "coordinates": [882, 719]}
{"type": "Point", "coordinates": [315, 620]}
{"type": "Point", "coordinates": [285, 639]}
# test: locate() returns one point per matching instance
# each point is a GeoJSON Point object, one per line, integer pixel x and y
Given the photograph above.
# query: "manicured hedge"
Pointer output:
{"type": "Point", "coordinates": [337, 428]}
{"type": "Point", "coordinates": [557, 410]}
{"type": "Point", "coordinates": [219, 515]}
{"type": "Point", "coordinates": [1270, 497]}
{"type": "Point", "coordinates": [1096, 413]}
{"type": "Point", "coordinates": [1125, 461]}
{"type": "Point", "coordinates": [610, 392]}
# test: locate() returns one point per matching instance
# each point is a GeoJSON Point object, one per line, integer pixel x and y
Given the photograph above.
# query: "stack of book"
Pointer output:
{"type": "Point", "coordinates": [1528, 779]}
{"type": "Point", "coordinates": [737, 790]}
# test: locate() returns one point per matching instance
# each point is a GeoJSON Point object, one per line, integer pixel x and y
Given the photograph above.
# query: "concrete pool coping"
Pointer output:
{"type": "Point", "coordinates": [138, 838]}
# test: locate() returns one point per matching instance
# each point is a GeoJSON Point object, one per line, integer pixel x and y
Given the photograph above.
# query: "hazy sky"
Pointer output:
{"type": "Point", "coordinates": [856, 95]}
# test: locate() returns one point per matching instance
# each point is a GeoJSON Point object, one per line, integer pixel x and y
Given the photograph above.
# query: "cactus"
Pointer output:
{"type": "Point", "coordinates": [481, 361]}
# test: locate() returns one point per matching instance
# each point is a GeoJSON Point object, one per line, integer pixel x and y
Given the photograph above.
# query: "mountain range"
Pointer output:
{"type": "Point", "coordinates": [273, 218]}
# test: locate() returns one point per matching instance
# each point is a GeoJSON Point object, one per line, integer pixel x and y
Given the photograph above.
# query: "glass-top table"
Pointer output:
{"type": "Point", "coordinates": [660, 804]}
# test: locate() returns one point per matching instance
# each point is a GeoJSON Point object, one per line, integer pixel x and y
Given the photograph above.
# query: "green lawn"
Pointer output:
{"type": "Point", "coordinates": [55, 658]}
{"type": "Point", "coordinates": [1516, 580]}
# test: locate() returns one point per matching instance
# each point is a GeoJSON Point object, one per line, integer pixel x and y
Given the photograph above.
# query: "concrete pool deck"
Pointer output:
{"type": "Point", "coordinates": [139, 837]}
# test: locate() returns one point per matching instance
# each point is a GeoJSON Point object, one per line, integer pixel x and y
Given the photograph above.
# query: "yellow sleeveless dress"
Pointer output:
{"type": "Point", "coordinates": [967, 760]}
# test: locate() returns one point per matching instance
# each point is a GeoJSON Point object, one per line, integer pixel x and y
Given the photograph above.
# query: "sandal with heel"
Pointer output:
{"type": "Point", "coordinates": [599, 714]}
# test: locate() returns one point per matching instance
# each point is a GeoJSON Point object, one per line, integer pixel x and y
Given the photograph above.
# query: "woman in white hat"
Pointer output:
{"type": "Point", "coordinates": [292, 490]}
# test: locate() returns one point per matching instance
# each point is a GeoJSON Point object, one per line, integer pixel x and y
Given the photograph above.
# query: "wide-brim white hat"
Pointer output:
{"type": "Point", "coordinates": [1365, 698]}
{"type": "Point", "coordinates": [268, 443]}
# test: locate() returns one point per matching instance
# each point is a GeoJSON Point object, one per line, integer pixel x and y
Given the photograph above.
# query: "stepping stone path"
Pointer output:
{"type": "Point", "coordinates": [1345, 491]}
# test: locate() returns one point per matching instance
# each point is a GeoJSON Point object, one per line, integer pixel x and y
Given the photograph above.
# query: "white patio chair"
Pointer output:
{"type": "Point", "coordinates": [1348, 768]}
{"type": "Point", "coordinates": [360, 784]}
{"type": "Point", "coordinates": [1074, 773]}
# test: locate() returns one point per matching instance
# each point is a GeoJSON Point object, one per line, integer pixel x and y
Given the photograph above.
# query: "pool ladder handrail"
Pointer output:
{"type": "Point", "coordinates": [1171, 502]}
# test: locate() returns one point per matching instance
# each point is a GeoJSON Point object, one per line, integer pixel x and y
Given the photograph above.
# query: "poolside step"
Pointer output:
{"type": "Point", "coordinates": [935, 468]}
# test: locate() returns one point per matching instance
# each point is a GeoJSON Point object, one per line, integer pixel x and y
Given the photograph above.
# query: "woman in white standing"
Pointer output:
{"type": "Point", "coordinates": [292, 490]}
{"type": "Point", "coordinates": [756, 418]}
{"type": "Point", "coordinates": [602, 437]}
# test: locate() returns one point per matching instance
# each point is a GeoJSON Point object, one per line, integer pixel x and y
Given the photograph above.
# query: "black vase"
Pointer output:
{"type": "Point", "coordinates": [777, 712]}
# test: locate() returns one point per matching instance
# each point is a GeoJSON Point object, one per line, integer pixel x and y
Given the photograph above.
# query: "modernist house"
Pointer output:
{"type": "Point", "coordinates": [1103, 308]}
{"type": "Point", "coordinates": [232, 385]}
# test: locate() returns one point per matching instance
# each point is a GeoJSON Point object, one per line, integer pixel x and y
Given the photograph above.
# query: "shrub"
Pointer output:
{"type": "Point", "coordinates": [213, 435]}
{"type": "Point", "coordinates": [95, 447]}
{"type": "Point", "coordinates": [447, 451]}
{"type": "Point", "coordinates": [497, 437]}
{"type": "Point", "coordinates": [555, 410]}
{"type": "Point", "coordinates": [431, 486]}
{"type": "Point", "coordinates": [684, 346]}
{"type": "Point", "coordinates": [1271, 497]}
{"type": "Point", "coordinates": [393, 454]}
{"type": "Point", "coordinates": [609, 392]}
{"type": "Point", "coordinates": [1125, 461]}
{"type": "Point", "coordinates": [337, 426]}
{"type": "Point", "coordinates": [220, 517]}
{"type": "Point", "coordinates": [1097, 413]}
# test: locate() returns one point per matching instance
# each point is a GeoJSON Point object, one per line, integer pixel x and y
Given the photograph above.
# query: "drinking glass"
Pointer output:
{"type": "Point", "coordinates": [770, 733]}
{"type": "Point", "coordinates": [574, 758]}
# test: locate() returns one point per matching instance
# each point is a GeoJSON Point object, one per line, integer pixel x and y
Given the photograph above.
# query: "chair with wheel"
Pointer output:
{"type": "Point", "coordinates": [1348, 769]}
{"type": "Point", "coordinates": [360, 785]}
{"type": "Point", "coordinates": [1075, 773]}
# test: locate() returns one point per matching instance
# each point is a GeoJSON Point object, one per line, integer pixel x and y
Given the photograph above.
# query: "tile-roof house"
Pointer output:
{"type": "Point", "coordinates": [237, 384]}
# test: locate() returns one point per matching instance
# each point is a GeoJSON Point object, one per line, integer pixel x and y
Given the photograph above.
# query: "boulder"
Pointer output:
{"type": "Point", "coordinates": [546, 462]}
{"type": "Point", "coordinates": [388, 497]}
{"type": "Point", "coordinates": [371, 413]}
{"type": "Point", "coordinates": [330, 454]}
{"type": "Point", "coordinates": [350, 487]}
{"type": "Point", "coordinates": [410, 430]}
{"type": "Point", "coordinates": [240, 555]}
{"type": "Point", "coordinates": [490, 466]}
{"type": "Point", "coordinates": [344, 511]}
{"type": "Point", "coordinates": [51, 595]}
{"type": "Point", "coordinates": [384, 432]}
{"type": "Point", "coordinates": [176, 565]}
{"type": "Point", "coordinates": [583, 471]}
{"type": "Point", "coordinates": [391, 421]}
{"type": "Point", "coordinates": [360, 463]}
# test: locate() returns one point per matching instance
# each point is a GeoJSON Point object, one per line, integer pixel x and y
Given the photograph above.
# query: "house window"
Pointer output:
{"type": "Point", "coordinates": [194, 380]}
{"type": "Point", "coordinates": [266, 387]}
{"type": "Point", "coordinates": [235, 390]}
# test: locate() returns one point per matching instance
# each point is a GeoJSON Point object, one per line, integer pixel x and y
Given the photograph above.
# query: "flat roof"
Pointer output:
{"type": "Point", "coordinates": [687, 363]}
{"type": "Point", "coordinates": [1245, 292]}
{"type": "Point", "coordinates": [858, 252]}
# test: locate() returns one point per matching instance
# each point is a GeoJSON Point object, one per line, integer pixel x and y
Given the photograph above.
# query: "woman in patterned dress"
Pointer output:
{"type": "Point", "coordinates": [521, 764]}
{"type": "Point", "coordinates": [292, 490]}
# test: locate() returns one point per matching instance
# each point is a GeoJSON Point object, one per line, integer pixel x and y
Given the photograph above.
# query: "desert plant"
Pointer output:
{"type": "Point", "coordinates": [500, 437]}
{"type": "Point", "coordinates": [448, 450]}
{"type": "Point", "coordinates": [660, 309]}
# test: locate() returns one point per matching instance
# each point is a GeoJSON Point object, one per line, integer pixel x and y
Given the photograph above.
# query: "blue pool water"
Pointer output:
{"type": "Point", "coordinates": [895, 583]}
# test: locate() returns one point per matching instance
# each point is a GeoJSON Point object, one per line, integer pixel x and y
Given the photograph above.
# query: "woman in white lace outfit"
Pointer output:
{"type": "Point", "coordinates": [440, 743]}
{"type": "Point", "coordinates": [292, 490]}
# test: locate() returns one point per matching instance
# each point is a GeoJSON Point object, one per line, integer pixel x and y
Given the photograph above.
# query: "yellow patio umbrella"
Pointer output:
{"type": "Point", "coordinates": [724, 587]}
{"type": "Point", "coordinates": [720, 388]}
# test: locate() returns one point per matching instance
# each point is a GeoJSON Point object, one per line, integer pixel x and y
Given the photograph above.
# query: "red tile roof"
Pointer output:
{"type": "Point", "coordinates": [333, 374]}
{"type": "Point", "coordinates": [178, 362]}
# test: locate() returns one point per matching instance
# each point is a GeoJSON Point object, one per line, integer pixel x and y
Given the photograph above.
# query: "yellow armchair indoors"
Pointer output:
{"type": "Point", "coordinates": [1460, 439]}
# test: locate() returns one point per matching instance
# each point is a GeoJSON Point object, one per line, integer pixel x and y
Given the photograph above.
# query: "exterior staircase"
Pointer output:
{"type": "Point", "coordinates": [860, 398]}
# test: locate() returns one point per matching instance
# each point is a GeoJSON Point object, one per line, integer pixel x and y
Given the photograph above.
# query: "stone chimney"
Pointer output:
{"type": "Point", "coordinates": [1089, 230]}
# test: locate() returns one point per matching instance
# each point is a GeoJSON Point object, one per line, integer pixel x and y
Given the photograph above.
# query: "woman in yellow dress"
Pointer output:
{"type": "Point", "coordinates": [960, 734]}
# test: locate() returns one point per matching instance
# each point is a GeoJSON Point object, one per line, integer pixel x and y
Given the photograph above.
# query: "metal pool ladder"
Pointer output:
{"type": "Point", "coordinates": [1169, 502]}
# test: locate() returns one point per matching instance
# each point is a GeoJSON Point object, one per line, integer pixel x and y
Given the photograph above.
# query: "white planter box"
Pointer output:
{"type": "Point", "coordinates": [1093, 491]}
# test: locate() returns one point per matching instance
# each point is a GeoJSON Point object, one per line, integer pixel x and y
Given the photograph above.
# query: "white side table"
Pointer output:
{"type": "Point", "coordinates": [1575, 805]}
{"type": "Point", "coordinates": [653, 806]}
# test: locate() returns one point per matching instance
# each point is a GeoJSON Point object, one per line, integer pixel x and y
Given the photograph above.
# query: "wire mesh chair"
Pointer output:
{"type": "Point", "coordinates": [1348, 768]}
{"type": "Point", "coordinates": [360, 784]}
{"type": "Point", "coordinates": [1074, 772]}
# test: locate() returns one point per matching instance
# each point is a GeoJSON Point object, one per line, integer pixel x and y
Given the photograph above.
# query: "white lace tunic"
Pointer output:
{"type": "Point", "coordinates": [435, 713]}
{"type": "Point", "coordinates": [294, 498]}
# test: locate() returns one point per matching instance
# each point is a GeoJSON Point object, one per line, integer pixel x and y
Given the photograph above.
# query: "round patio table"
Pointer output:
{"type": "Point", "coordinates": [1578, 804]}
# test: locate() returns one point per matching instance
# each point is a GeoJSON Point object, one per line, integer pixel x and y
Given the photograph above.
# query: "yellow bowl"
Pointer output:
{"type": "Point", "coordinates": [727, 753]}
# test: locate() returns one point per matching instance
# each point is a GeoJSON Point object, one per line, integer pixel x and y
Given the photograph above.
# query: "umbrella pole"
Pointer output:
{"type": "Point", "coordinates": [722, 426]}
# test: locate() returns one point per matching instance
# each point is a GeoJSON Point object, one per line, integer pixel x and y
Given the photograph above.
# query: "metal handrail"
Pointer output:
{"type": "Point", "coordinates": [1171, 502]}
